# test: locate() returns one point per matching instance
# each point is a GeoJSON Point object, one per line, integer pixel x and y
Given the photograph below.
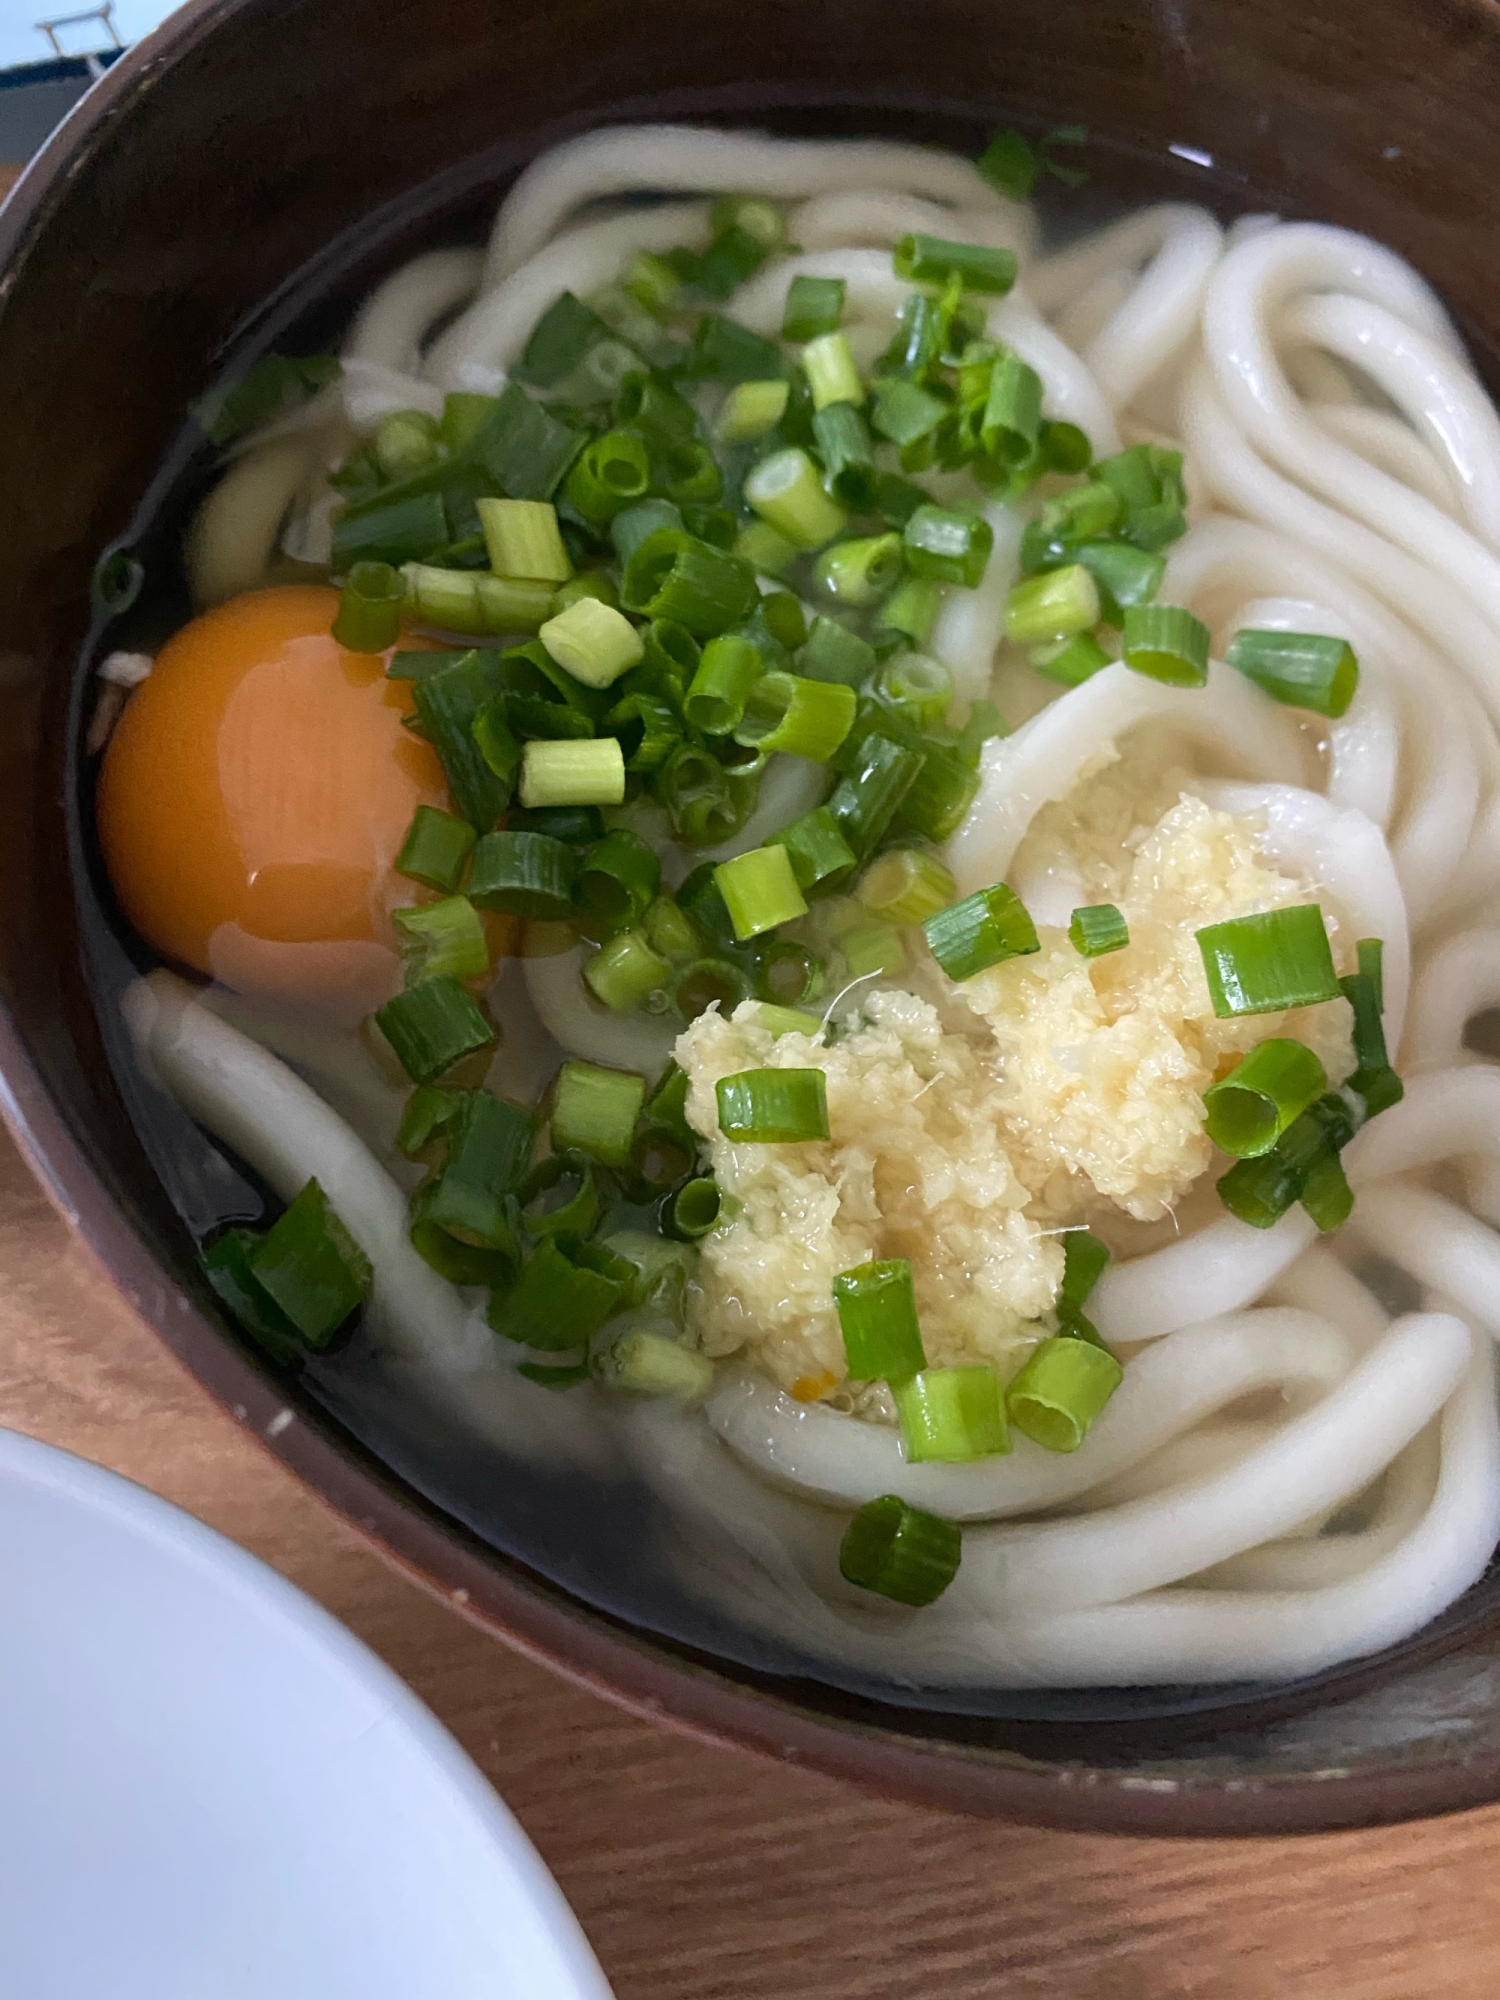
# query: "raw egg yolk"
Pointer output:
{"type": "Point", "coordinates": [254, 797]}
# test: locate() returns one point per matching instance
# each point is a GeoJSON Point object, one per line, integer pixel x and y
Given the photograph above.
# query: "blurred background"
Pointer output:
{"type": "Point", "coordinates": [48, 58]}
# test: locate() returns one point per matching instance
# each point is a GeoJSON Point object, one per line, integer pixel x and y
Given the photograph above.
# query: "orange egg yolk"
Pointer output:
{"type": "Point", "coordinates": [254, 797]}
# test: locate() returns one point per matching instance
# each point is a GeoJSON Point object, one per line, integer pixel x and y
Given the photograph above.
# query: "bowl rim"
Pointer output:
{"type": "Point", "coordinates": [601, 1656]}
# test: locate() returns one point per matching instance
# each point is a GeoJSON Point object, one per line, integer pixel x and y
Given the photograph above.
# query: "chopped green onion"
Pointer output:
{"type": "Point", "coordinates": [727, 671]}
{"type": "Point", "coordinates": [497, 742]}
{"type": "Point", "coordinates": [1084, 1261]}
{"type": "Point", "coordinates": [821, 857]}
{"type": "Point", "coordinates": [489, 1145]}
{"type": "Point", "coordinates": [524, 874]}
{"type": "Point", "coordinates": [786, 491]}
{"type": "Point", "coordinates": [559, 341]}
{"type": "Point", "coordinates": [690, 473]}
{"type": "Point", "coordinates": [436, 849]}
{"type": "Point", "coordinates": [765, 549]}
{"type": "Point", "coordinates": [643, 1363]}
{"type": "Point", "coordinates": [1371, 953]}
{"type": "Point", "coordinates": [940, 794]}
{"type": "Point", "coordinates": [832, 376]}
{"type": "Point", "coordinates": [1058, 604]}
{"type": "Point", "coordinates": [951, 1416]}
{"type": "Point", "coordinates": [1369, 1031]}
{"type": "Point", "coordinates": [877, 1308]}
{"type": "Point", "coordinates": [932, 260]}
{"type": "Point", "coordinates": [574, 826]}
{"type": "Point", "coordinates": [464, 417]}
{"type": "Point", "coordinates": [709, 982]}
{"type": "Point", "coordinates": [555, 1304]}
{"type": "Point", "coordinates": [1063, 447]}
{"type": "Point", "coordinates": [1262, 964]}
{"type": "Point", "coordinates": [1070, 662]}
{"type": "Point", "coordinates": [653, 283]}
{"type": "Point", "coordinates": [616, 884]}
{"type": "Point", "coordinates": [1013, 412]}
{"type": "Point", "coordinates": [787, 973]}
{"type": "Point", "coordinates": [523, 539]}
{"type": "Point", "coordinates": [900, 1552]}
{"type": "Point", "coordinates": [432, 1026]}
{"type": "Point", "coordinates": [949, 546]}
{"type": "Point", "coordinates": [648, 730]}
{"type": "Point", "coordinates": [632, 527]}
{"type": "Point", "coordinates": [1148, 480]}
{"type": "Point", "coordinates": [983, 724]}
{"type": "Point", "coordinates": [673, 576]}
{"type": "Point", "coordinates": [848, 454]}
{"type": "Point", "coordinates": [523, 448]}
{"type": "Point", "coordinates": [1126, 577]}
{"type": "Point", "coordinates": [814, 306]}
{"type": "Point", "coordinates": [906, 885]}
{"type": "Point", "coordinates": [750, 410]}
{"type": "Point", "coordinates": [593, 642]}
{"type": "Point", "coordinates": [1326, 1193]}
{"type": "Point", "coordinates": [860, 572]}
{"type": "Point", "coordinates": [1166, 643]}
{"type": "Point", "coordinates": [560, 1197]}
{"type": "Point", "coordinates": [594, 1111]}
{"type": "Point", "coordinates": [394, 531]}
{"type": "Point", "coordinates": [1011, 165]}
{"type": "Point", "coordinates": [693, 1210]}
{"type": "Point", "coordinates": [668, 931]}
{"type": "Point", "coordinates": [834, 653]}
{"type": "Point", "coordinates": [911, 608]}
{"type": "Point", "coordinates": [311, 1267]}
{"type": "Point", "coordinates": [468, 600]}
{"type": "Point", "coordinates": [905, 412]}
{"type": "Point", "coordinates": [1097, 928]}
{"type": "Point", "coordinates": [1250, 1109]}
{"type": "Point", "coordinates": [1060, 1391]}
{"type": "Point", "coordinates": [760, 890]}
{"type": "Point", "coordinates": [694, 788]}
{"type": "Point", "coordinates": [226, 1265]}
{"type": "Point", "coordinates": [917, 688]}
{"type": "Point", "coordinates": [780, 1021]}
{"type": "Point", "coordinates": [1082, 512]}
{"type": "Point", "coordinates": [573, 774]}
{"type": "Point", "coordinates": [726, 352]}
{"type": "Point", "coordinates": [427, 1112]}
{"type": "Point", "coordinates": [1302, 669]}
{"type": "Point", "coordinates": [557, 1375]}
{"type": "Point", "coordinates": [439, 938]}
{"type": "Point", "coordinates": [807, 718]}
{"type": "Point", "coordinates": [981, 930]}
{"type": "Point", "coordinates": [422, 666]}
{"type": "Point", "coordinates": [1260, 1191]}
{"type": "Point", "coordinates": [368, 619]}
{"type": "Point", "coordinates": [277, 383]}
{"type": "Point", "coordinates": [458, 1260]}
{"type": "Point", "coordinates": [872, 948]}
{"type": "Point", "coordinates": [773, 1106]}
{"type": "Point", "coordinates": [866, 799]}
{"type": "Point", "coordinates": [626, 972]}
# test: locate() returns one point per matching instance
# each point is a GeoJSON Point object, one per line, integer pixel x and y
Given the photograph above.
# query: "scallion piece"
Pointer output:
{"type": "Point", "coordinates": [523, 539]}
{"type": "Point", "coordinates": [1126, 577]}
{"type": "Point", "coordinates": [724, 351]}
{"type": "Point", "coordinates": [1303, 669]}
{"type": "Point", "coordinates": [983, 724]}
{"type": "Point", "coordinates": [625, 973]}
{"type": "Point", "coordinates": [1326, 1193]}
{"type": "Point", "coordinates": [933, 260]}
{"type": "Point", "coordinates": [436, 849]}
{"type": "Point", "coordinates": [311, 1267]}
{"type": "Point", "coordinates": [1167, 644]}
{"type": "Point", "coordinates": [860, 572]}
{"type": "Point", "coordinates": [689, 474]}
{"type": "Point", "coordinates": [877, 1309]}
{"type": "Point", "coordinates": [727, 671]}
{"type": "Point", "coordinates": [1371, 953]}
{"type": "Point", "coordinates": [1247, 1112]}
{"type": "Point", "coordinates": [488, 1148]}
{"type": "Point", "coordinates": [1262, 964]}
{"type": "Point", "coordinates": [900, 1552]}
{"type": "Point", "coordinates": [760, 890]}
{"type": "Point", "coordinates": [673, 576]}
{"type": "Point", "coordinates": [806, 718]}
{"type": "Point", "coordinates": [394, 531]}
{"type": "Point", "coordinates": [709, 982]}
{"type": "Point", "coordinates": [940, 794]}
{"type": "Point", "coordinates": [427, 1112]}
{"type": "Point", "coordinates": [873, 947]}
{"type": "Point", "coordinates": [559, 341]}
{"type": "Point", "coordinates": [593, 642]}
{"type": "Point", "coordinates": [760, 545]}
{"type": "Point", "coordinates": [560, 1197]}
{"type": "Point", "coordinates": [778, 1021]}
{"type": "Point", "coordinates": [668, 931]}
{"type": "Point", "coordinates": [844, 444]}
{"type": "Point", "coordinates": [693, 1210]}
{"type": "Point", "coordinates": [636, 524]}
{"type": "Point", "coordinates": [1013, 411]}
{"type": "Point", "coordinates": [831, 374]}
{"type": "Point", "coordinates": [643, 1363]}
{"type": "Point", "coordinates": [433, 1026]}
{"type": "Point", "coordinates": [821, 857]}
{"type": "Point", "coordinates": [1060, 1391]}
{"type": "Point", "coordinates": [1369, 1030]}
{"type": "Point", "coordinates": [981, 930]}
{"type": "Point", "coordinates": [524, 874]}
{"type": "Point", "coordinates": [786, 490]}
{"type": "Point", "coordinates": [866, 799]}
{"type": "Point", "coordinates": [919, 689]}
{"type": "Point", "coordinates": [442, 937]}
{"type": "Point", "coordinates": [1058, 604]}
{"type": "Point", "coordinates": [591, 773]}
{"type": "Point", "coordinates": [814, 306]}
{"type": "Point", "coordinates": [616, 884]}
{"type": "Point", "coordinates": [468, 600]}
{"type": "Point", "coordinates": [906, 885]}
{"type": "Point", "coordinates": [773, 1107]}
{"type": "Point", "coordinates": [750, 410]}
{"type": "Point", "coordinates": [1097, 928]}
{"type": "Point", "coordinates": [833, 653]}
{"type": "Point", "coordinates": [594, 1111]}
{"type": "Point", "coordinates": [951, 1416]}
{"type": "Point", "coordinates": [905, 412]}
{"type": "Point", "coordinates": [947, 545]}
{"type": "Point", "coordinates": [226, 1265]}
{"type": "Point", "coordinates": [1011, 165]}
{"type": "Point", "coordinates": [1084, 1261]}
{"type": "Point", "coordinates": [1070, 662]}
{"type": "Point", "coordinates": [555, 1304]}
{"type": "Point", "coordinates": [460, 1261]}
{"type": "Point", "coordinates": [368, 619]}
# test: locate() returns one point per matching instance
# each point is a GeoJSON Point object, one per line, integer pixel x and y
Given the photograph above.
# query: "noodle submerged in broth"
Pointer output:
{"type": "Point", "coordinates": [864, 896]}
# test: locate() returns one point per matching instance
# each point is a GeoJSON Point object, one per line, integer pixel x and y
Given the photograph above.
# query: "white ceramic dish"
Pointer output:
{"type": "Point", "coordinates": [209, 1790]}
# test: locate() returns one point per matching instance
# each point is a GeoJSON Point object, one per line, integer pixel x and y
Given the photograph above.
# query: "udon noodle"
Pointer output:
{"type": "Point", "coordinates": [1288, 1476]}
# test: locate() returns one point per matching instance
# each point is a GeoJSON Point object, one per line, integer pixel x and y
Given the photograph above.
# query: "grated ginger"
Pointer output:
{"type": "Point", "coordinates": [971, 1123]}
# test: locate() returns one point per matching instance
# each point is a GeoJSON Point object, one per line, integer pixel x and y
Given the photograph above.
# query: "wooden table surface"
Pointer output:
{"type": "Point", "coordinates": [703, 1875]}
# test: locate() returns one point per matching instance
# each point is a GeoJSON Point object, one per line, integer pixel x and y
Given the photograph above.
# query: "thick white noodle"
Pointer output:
{"type": "Point", "coordinates": [668, 159]}
{"type": "Point", "coordinates": [1168, 1389]}
{"type": "Point", "coordinates": [233, 537]}
{"type": "Point", "coordinates": [869, 216]}
{"type": "Point", "coordinates": [392, 325]}
{"type": "Point", "coordinates": [1389, 443]}
{"type": "Point", "coordinates": [1460, 979]}
{"type": "Point", "coordinates": [970, 623]}
{"type": "Point", "coordinates": [1158, 315]}
{"type": "Point", "coordinates": [1436, 1242]}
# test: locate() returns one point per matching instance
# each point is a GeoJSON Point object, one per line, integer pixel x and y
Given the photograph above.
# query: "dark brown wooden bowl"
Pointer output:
{"type": "Point", "coordinates": [255, 155]}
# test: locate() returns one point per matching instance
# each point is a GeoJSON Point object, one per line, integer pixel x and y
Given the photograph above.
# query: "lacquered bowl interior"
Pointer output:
{"type": "Point", "coordinates": [187, 211]}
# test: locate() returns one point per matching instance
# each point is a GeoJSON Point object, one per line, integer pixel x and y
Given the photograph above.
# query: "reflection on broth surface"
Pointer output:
{"type": "Point", "coordinates": [818, 831]}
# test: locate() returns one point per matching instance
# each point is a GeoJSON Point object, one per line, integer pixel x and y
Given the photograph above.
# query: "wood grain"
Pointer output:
{"type": "Point", "coordinates": [701, 1875]}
